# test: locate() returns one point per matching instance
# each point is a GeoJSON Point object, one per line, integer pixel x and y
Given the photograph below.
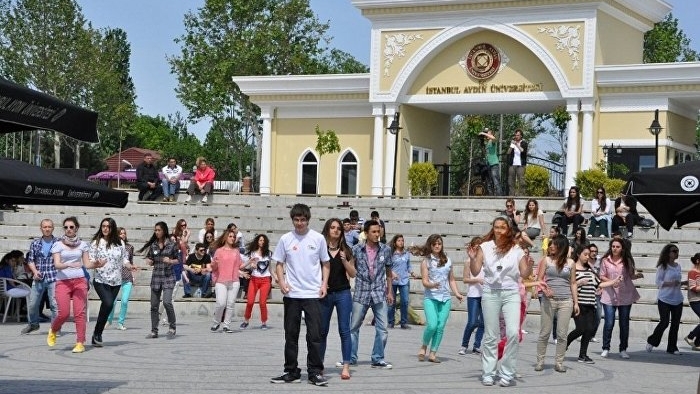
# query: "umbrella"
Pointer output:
{"type": "Point", "coordinates": [22, 108]}
{"type": "Point", "coordinates": [670, 194]}
{"type": "Point", "coordinates": [22, 183]}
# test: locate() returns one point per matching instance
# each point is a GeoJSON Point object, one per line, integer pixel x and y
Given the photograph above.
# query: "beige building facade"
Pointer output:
{"type": "Point", "coordinates": [433, 59]}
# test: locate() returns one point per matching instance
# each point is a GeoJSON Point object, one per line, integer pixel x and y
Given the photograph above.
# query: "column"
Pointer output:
{"type": "Point", "coordinates": [266, 154]}
{"type": "Point", "coordinates": [572, 145]}
{"type": "Point", "coordinates": [587, 137]}
{"type": "Point", "coordinates": [389, 154]}
{"type": "Point", "coordinates": [377, 143]}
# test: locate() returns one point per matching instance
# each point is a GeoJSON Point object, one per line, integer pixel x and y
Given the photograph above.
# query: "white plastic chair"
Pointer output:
{"type": "Point", "coordinates": [19, 290]}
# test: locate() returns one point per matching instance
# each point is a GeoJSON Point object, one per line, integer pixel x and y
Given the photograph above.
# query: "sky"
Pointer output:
{"type": "Point", "coordinates": [152, 26]}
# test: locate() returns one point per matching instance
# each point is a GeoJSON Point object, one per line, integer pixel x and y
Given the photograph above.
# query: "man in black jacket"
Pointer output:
{"type": "Point", "coordinates": [148, 180]}
{"type": "Point", "coordinates": [517, 159]}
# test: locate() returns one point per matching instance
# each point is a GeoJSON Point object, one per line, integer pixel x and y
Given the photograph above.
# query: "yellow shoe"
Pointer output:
{"type": "Point", "coordinates": [51, 338]}
{"type": "Point", "coordinates": [78, 348]}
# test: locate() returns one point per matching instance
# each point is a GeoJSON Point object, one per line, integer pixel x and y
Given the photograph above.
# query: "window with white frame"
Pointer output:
{"type": "Point", "coordinates": [309, 174]}
{"type": "Point", "coordinates": [422, 155]}
{"type": "Point", "coordinates": [348, 174]}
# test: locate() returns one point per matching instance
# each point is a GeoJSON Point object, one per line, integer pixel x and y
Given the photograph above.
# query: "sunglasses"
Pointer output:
{"type": "Point", "coordinates": [599, 192]}
{"type": "Point", "coordinates": [509, 205]}
{"type": "Point", "coordinates": [68, 227]}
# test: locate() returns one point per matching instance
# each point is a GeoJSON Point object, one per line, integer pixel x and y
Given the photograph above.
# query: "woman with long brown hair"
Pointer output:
{"type": "Point", "coordinates": [226, 266]}
{"type": "Point", "coordinates": [669, 299]}
{"type": "Point", "coordinates": [504, 262]}
{"type": "Point", "coordinates": [261, 277]}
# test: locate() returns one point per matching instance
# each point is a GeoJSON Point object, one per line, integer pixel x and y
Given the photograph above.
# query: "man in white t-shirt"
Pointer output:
{"type": "Point", "coordinates": [303, 254]}
{"type": "Point", "coordinates": [171, 182]}
{"type": "Point", "coordinates": [517, 159]}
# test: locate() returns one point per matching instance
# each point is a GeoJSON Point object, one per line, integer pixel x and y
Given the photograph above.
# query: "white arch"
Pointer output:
{"type": "Point", "coordinates": [300, 167]}
{"type": "Point", "coordinates": [339, 169]}
{"type": "Point", "coordinates": [442, 40]}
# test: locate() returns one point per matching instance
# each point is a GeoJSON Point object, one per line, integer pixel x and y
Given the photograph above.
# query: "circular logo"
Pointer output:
{"type": "Point", "coordinates": [28, 189]}
{"type": "Point", "coordinates": [483, 61]}
{"type": "Point", "coordinates": [689, 183]}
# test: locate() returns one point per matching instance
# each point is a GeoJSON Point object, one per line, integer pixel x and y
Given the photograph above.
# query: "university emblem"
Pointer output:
{"type": "Point", "coordinates": [482, 62]}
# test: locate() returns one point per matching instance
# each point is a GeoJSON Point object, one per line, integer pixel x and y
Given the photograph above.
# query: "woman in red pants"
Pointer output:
{"type": "Point", "coordinates": [261, 277]}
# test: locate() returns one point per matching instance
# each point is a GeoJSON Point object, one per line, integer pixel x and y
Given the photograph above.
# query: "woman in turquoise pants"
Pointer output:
{"type": "Point", "coordinates": [438, 280]}
{"type": "Point", "coordinates": [127, 283]}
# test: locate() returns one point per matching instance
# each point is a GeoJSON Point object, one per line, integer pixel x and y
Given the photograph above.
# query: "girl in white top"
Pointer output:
{"type": "Point", "coordinates": [534, 219]}
{"type": "Point", "coordinates": [601, 215]}
{"type": "Point", "coordinates": [475, 318]}
{"type": "Point", "coordinates": [261, 277]}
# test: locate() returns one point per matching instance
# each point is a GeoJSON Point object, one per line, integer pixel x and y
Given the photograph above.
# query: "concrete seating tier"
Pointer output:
{"type": "Point", "coordinates": [458, 220]}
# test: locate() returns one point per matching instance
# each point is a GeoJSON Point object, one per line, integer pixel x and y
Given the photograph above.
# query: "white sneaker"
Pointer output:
{"type": "Point", "coordinates": [462, 351]}
{"type": "Point", "coordinates": [188, 199]}
{"type": "Point", "coordinates": [624, 354]}
{"type": "Point", "coordinates": [594, 340]}
{"type": "Point", "coordinates": [204, 200]}
{"type": "Point", "coordinates": [649, 347]}
{"type": "Point", "coordinates": [121, 327]}
{"type": "Point", "coordinates": [604, 354]}
{"type": "Point", "coordinates": [504, 382]}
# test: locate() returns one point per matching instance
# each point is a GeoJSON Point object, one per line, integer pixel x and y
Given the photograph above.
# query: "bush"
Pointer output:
{"type": "Point", "coordinates": [422, 177]}
{"type": "Point", "coordinates": [613, 187]}
{"type": "Point", "coordinates": [589, 180]}
{"type": "Point", "coordinates": [536, 181]}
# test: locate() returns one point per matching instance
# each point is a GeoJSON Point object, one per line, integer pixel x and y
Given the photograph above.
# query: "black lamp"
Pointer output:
{"type": "Point", "coordinates": [655, 129]}
{"type": "Point", "coordinates": [394, 129]}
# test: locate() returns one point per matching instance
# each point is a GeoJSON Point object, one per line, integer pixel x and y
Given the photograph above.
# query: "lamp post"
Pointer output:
{"type": "Point", "coordinates": [655, 129]}
{"type": "Point", "coordinates": [394, 129]}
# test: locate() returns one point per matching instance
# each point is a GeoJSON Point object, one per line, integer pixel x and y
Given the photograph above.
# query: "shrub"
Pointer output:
{"type": "Point", "coordinates": [536, 181]}
{"type": "Point", "coordinates": [588, 180]}
{"type": "Point", "coordinates": [613, 187]}
{"type": "Point", "coordinates": [422, 177]}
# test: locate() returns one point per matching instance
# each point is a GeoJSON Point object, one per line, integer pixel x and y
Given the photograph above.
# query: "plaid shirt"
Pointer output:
{"type": "Point", "coordinates": [43, 264]}
{"type": "Point", "coordinates": [163, 275]}
{"type": "Point", "coordinates": [370, 291]}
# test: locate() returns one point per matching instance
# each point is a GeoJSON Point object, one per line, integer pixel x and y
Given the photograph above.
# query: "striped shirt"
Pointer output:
{"type": "Point", "coordinates": [586, 292]}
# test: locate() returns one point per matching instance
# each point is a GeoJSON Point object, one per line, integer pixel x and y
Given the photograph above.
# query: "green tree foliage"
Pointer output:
{"type": "Point", "coordinates": [167, 136]}
{"type": "Point", "coordinates": [326, 141]}
{"type": "Point", "coordinates": [537, 181]}
{"type": "Point", "coordinates": [225, 38]}
{"type": "Point", "coordinates": [554, 126]}
{"type": "Point", "coordinates": [667, 43]}
{"type": "Point", "coordinates": [422, 178]}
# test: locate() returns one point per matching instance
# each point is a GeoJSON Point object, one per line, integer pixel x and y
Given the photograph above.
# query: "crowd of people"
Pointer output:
{"type": "Point", "coordinates": [351, 268]}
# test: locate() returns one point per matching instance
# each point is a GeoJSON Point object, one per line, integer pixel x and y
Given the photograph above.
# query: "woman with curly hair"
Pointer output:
{"type": "Point", "coordinates": [669, 300]}
{"type": "Point", "coordinates": [438, 279]}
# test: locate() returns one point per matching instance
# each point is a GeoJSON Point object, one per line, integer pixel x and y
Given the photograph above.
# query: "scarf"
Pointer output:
{"type": "Point", "coordinates": [71, 242]}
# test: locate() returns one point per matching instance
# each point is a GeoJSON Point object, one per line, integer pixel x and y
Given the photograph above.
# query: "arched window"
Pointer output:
{"type": "Point", "coordinates": [348, 174]}
{"type": "Point", "coordinates": [309, 174]}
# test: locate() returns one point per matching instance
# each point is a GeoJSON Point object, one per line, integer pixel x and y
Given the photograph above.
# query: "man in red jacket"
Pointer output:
{"type": "Point", "coordinates": [202, 182]}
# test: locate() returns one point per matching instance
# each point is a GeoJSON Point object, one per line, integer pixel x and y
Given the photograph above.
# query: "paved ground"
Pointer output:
{"type": "Point", "coordinates": [200, 361]}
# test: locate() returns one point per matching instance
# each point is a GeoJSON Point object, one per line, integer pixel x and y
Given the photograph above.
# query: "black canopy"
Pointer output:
{"type": "Point", "coordinates": [22, 183]}
{"type": "Point", "coordinates": [22, 108]}
{"type": "Point", "coordinates": [670, 194]}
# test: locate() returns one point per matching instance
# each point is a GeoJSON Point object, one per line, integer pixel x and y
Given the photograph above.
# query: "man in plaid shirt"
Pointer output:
{"type": "Point", "coordinates": [40, 262]}
{"type": "Point", "coordinates": [372, 290]}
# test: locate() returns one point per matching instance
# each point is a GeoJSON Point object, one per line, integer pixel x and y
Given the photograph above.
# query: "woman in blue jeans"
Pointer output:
{"type": "Point", "coordinates": [342, 266]}
{"type": "Point", "coordinates": [617, 263]}
{"type": "Point", "coordinates": [669, 300]}
{"type": "Point", "coordinates": [401, 274]}
{"type": "Point", "coordinates": [475, 319]}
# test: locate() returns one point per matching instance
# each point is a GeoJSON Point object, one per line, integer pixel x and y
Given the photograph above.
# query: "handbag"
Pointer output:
{"type": "Point", "coordinates": [644, 222]}
{"type": "Point", "coordinates": [558, 218]}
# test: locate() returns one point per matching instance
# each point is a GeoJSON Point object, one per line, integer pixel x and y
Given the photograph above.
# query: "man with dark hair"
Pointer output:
{"type": "Point", "coordinates": [517, 159]}
{"type": "Point", "coordinates": [356, 221]}
{"type": "Point", "coordinates": [148, 180]}
{"type": "Point", "coordinates": [303, 254]}
{"type": "Point", "coordinates": [172, 173]}
{"type": "Point", "coordinates": [197, 271]}
{"type": "Point", "coordinates": [375, 216]}
{"type": "Point", "coordinates": [372, 290]}
{"type": "Point", "coordinates": [352, 236]}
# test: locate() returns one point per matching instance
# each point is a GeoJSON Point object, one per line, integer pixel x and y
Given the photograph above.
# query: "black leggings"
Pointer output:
{"type": "Point", "coordinates": [107, 294]}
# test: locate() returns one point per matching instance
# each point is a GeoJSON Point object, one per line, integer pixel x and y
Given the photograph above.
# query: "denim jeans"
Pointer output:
{"type": "Point", "coordinates": [359, 311]}
{"type": "Point", "coordinates": [562, 310]}
{"type": "Point", "coordinates": [495, 173]}
{"type": "Point", "coordinates": [493, 302]}
{"type": "Point", "coordinates": [107, 294]}
{"type": "Point", "coordinates": [167, 294]}
{"type": "Point", "coordinates": [624, 319]}
{"type": "Point", "coordinates": [475, 321]}
{"type": "Point", "coordinates": [293, 307]}
{"type": "Point", "coordinates": [667, 313]}
{"type": "Point", "coordinates": [203, 280]}
{"type": "Point", "coordinates": [170, 189]}
{"type": "Point", "coordinates": [35, 297]}
{"type": "Point", "coordinates": [126, 293]}
{"type": "Point", "coordinates": [403, 293]}
{"type": "Point", "coordinates": [342, 301]}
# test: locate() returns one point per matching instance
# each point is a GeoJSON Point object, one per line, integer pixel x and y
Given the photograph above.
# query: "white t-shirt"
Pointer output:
{"type": "Point", "coordinates": [302, 256]}
{"type": "Point", "coordinates": [70, 256]}
{"type": "Point", "coordinates": [533, 223]}
{"type": "Point", "coordinates": [475, 289]}
{"type": "Point", "coordinates": [501, 272]}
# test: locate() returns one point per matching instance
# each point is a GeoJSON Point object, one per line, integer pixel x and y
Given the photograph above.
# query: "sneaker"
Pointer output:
{"type": "Point", "coordinates": [487, 382]}
{"type": "Point", "coordinates": [586, 360]}
{"type": "Point", "coordinates": [171, 333]}
{"type": "Point", "coordinates": [244, 325]}
{"type": "Point", "coordinates": [675, 353]}
{"type": "Point", "coordinates": [559, 368]}
{"type": "Point", "coordinates": [504, 382]}
{"type": "Point", "coordinates": [51, 338]}
{"type": "Point", "coordinates": [97, 340]}
{"type": "Point", "coordinates": [595, 340]}
{"type": "Point", "coordinates": [121, 327]}
{"type": "Point", "coordinates": [602, 236]}
{"type": "Point", "coordinates": [630, 235]}
{"type": "Point", "coordinates": [382, 365]}
{"type": "Point", "coordinates": [188, 199]}
{"type": "Point", "coordinates": [405, 326]}
{"type": "Point", "coordinates": [215, 327]}
{"type": "Point", "coordinates": [286, 378]}
{"type": "Point", "coordinates": [35, 327]}
{"type": "Point", "coordinates": [604, 354]}
{"type": "Point", "coordinates": [263, 326]}
{"type": "Point", "coordinates": [623, 354]}
{"type": "Point", "coordinates": [689, 341]}
{"type": "Point", "coordinates": [187, 296]}
{"type": "Point", "coordinates": [227, 330]}
{"type": "Point", "coordinates": [649, 347]}
{"type": "Point", "coordinates": [476, 350]}
{"type": "Point", "coordinates": [390, 325]}
{"type": "Point", "coordinates": [462, 351]}
{"type": "Point", "coordinates": [539, 367]}
{"type": "Point", "coordinates": [78, 348]}
{"type": "Point", "coordinates": [204, 199]}
{"type": "Point", "coordinates": [318, 380]}
{"type": "Point", "coordinates": [152, 335]}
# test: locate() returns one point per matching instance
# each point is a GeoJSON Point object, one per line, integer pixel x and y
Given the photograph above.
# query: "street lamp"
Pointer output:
{"type": "Point", "coordinates": [616, 148]}
{"type": "Point", "coordinates": [394, 129]}
{"type": "Point", "coordinates": [655, 129]}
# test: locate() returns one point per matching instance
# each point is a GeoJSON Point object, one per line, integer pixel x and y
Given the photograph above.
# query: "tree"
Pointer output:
{"type": "Point", "coordinates": [667, 43]}
{"type": "Point", "coordinates": [167, 136]}
{"type": "Point", "coordinates": [225, 38]}
{"type": "Point", "coordinates": [554, 125]}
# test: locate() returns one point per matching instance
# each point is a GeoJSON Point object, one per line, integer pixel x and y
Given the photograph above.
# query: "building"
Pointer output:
{"type": "Point", "coordinates": [431, 59]}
